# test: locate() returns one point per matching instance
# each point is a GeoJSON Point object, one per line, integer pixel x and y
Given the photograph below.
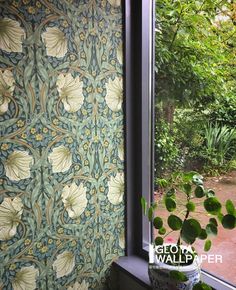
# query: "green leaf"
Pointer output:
{"type": "Point", "coordinates": [211, 229]}
{"type": "Point", "coordinates": [187, 188]}
{"type": "Point", "coordinates": [213, 221]}
{"type": "Point", "coordinates": [178, 276]}
{"type": "Point", "coordinates": [170, 204]}
{"type": "Point", "coordinates": [171, 193]}
{"type": "Point", "coordinates": [188, 176]}
{"type": "Point", "coordinates": [203, 235]}
{"type": "Point", "coordinates": [199, 191]}
{"type": "Point", "coordinates": [157, 222]}
{"type": "Point", "coordinates": [144, 205]}
{"type": "Point", "coordinates": [212, 205]}
{"type": "Point", "coordinates": [230, 207]}
{"type": "Point", "coordinates": [191, 229]}
{"type": "Point", "coordinates": [207, 245]}
{"type": "Point", "coordinates": [150, 213]}
{"type": "Point", "coordinates": [159, 241]}
{"type": "Point", "coordinates": [229, 221]}
{"type": "Point", "coordinates": [162, 231]}
{"type": "Point", "coordinates": [190, 206]}
{"type": "Point", "coordinates": [174, 222]}
{"type": "Point", "coordinates": [201, 286]}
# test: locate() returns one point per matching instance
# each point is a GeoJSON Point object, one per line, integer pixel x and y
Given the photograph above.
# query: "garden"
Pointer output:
{"type": "Point", "coordinates": [195, 99]}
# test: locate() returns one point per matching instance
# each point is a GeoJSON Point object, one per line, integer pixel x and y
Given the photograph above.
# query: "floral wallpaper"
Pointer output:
{"type": "Point", "coordinates": [61, 143]}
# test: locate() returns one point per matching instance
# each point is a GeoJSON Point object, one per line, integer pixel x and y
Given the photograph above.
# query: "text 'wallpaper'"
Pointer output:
{"type": "Point", "coordinates": [61, 143]}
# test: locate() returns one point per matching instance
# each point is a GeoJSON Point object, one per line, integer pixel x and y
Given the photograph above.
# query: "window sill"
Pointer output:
{"type": "Point", "coordinates": [137, 269]}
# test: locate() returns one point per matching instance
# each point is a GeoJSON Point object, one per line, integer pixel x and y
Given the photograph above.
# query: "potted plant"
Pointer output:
{"type": "Point", "coordinates": [177, 266]}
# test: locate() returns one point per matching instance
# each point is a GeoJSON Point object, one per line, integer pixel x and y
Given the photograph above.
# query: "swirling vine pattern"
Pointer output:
{"type": "Point", "coordinates": [61, 143]}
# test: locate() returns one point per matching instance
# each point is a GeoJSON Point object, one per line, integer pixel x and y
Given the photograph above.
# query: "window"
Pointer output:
{"type": "Point", "coordinates": [140, 121]}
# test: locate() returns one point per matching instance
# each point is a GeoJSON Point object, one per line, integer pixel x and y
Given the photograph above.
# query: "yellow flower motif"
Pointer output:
{"type": "Point", "coordinates": [106, 143]}
{"type": "Point", "coordinates": [89, 89]}
{"type": "Point", "coordinates": [83, 55]}
{"type": "Point", "coordinates": [39, 137]}
{"type": "Point", "coordinates": [85, 146]}
{"type": "Point", "coordinates": [50, 241]}
{"type": "Point", "coordinates": [31, 10]}
{"type": "Point", "coordinates": [86, 162]}
{"type": "Point", "coordinates": [4, 147]}
{"type": "Point", "coordinates": [32, 130]}
{"type": "Point", "coordinates": [72, 57]}
{"type": "Point", "coordinates": [55, 42]}
{"type": "Point", "coordinates": [96, 139]}
{"type": "Point", "coordinates": [87, 213]}
{"type": "Point", "coordinates": [106, 159]}
{"type": "Point", "coordinates": [23, 135]}
{"type": "Point", "coordinates": [64, 264]}
{"type": "Point", "coordinates": [45, 130]}
{"type": "Point", "coordinates": [60, 158]}
{"type": "Point", "coordinates": [60, 231]}
{"type": "Point", "coordinates": [73, 243]}
{"type": "Point", "coordinates": [117, 34]}
{"type": "Point", "coordinates": [77, 167]}
{"type": "Point", "coordinates": [12, 267]}
{"type": "Point", "coordinates": [44, 249]}
{"type": "Point", "coordinates": [84, 20]}
{"type": "Point", "coordinates": [116, 189]}
{"type": "Point", "coordinates": [17, 165]}
{"type": "Point", "coordinates": [94, 73]}
{"type": "Point", "coordinates": [82, 36]}
{"type": "Point", "coordinates": [27, 242]}
{"type": "Point", "coordinates": [114, 96]}
{"type": "Point", "coordinates": [69, 140]}
{"type": "Point", "coordinates": [20, 123]}
{"type": "Point", "coordinates": [74, 199]}
{"type": "Point", "coordinates": [113, 62]}
{"type": "Point", "coordinates": [104, 40]}
{"type": "Point", "coordinates": [101, 24]}
{"type": "Point", "coordinates": [38, 4]}
{"type": "Point", "coordinates": [65, 24]}
{"type": "Point", "coordinates": [10, 215]}
{"type": "Point", "coordinates": [15, 4]}
{"type": "Point", "coordinates": [87, 132]}
{"type": "Point", "coordinates": [102, 188]}
{"type": "Point", "coordinates": [30, 252]}
{"type": "Point", "coordinates": [99, 90]}
{"type": "Point", "coordinates": [71, 92]}
{"type": "Point", "coordinates": [11, 35]}
{"type": "Point", "coordinates": [55, 121]}
{"type": "Point", "coordinates": [25, 279]}
{"type": "Point", "coordinates": [47, 11]}
{"type": "Point", "coordinates": [26, 2]}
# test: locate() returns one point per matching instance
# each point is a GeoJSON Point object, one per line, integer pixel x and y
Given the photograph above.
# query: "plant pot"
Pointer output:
{"type": "Point", "coordinates": [159, 274]}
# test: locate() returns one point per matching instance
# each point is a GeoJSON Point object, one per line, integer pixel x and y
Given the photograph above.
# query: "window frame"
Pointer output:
{"type": "Point", "coordinates": [139, 63]}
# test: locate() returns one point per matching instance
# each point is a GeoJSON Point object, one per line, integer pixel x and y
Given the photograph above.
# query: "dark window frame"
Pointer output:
{"type": "Point", "coordinates": [139, 131]}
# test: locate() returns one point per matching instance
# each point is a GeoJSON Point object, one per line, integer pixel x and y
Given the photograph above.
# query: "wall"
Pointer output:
{"type": "Point", "coordinates": [61, 142]}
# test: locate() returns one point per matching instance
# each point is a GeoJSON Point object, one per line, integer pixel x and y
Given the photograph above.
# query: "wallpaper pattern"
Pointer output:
{"type": "Point", "coordinates": [61, 143]}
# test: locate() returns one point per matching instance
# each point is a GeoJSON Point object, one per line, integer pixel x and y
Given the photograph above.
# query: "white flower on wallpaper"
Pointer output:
{"type": "Point", "coordinates": [64, 264]}
{"type": "Point", "coordinates": [71, 92]}
{"type": "Point", "coordinates": [7, 86]}
{"type": "Point", "coordinates": [11, 35]}
{"type": "Point", "coordinates": [121, 151]}
{"type": "Point", "coordinates": [25, 279]}
{"type": "Point", "coordinates": [116, 189]}
{"type": "Point", "coordinates": [115, 3]}
{"type": "Point", "coordinates": [120, 53]}
{"type": "Point", "coordinates": [17, 165]}
{"type": "Point", "coordinates": [77, 286]}
{"type": "Point", "coordinates": [74, 199]}
{"type": "Point", "coordinates": [60, 158]}
{"type": "Point", "coordinates": [55, 41]}
{"type": "Point", "coordinates": [122, 240]}
{"type": "Point", "coordinates": [114, 96]}
{"type": "Point", "coordinates": [10, 214]}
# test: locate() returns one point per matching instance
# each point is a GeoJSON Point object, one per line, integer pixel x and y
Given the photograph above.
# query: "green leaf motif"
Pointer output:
{"type": "Point", "coordinates": [191, 229]}
{"type": "Point", "coordinates": [159, 241]}
{"type": "Point", "coordinates": [199, 191]}
{"type": "Point", "coordinates": [201, 286]}
{"type": "Point", "coordinates": [212, 205]}
{"type": "Point", "coordinates": [230, 207]}
{"type": "Point", "coordinates": [157, 222]}
{"type": "Point", "coordinates": [170, 204]}
{"type": "Point", "coordinates": [174, 222]}
{"type": "Point", "coordinates": [211, 229]}
{"type": "Point", "coordinates": [229, 221]}
{"type": "Point", "coordinates": [207, 245]}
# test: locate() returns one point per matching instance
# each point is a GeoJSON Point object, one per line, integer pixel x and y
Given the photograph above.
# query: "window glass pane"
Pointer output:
{"type": "Point", "coordinates": [195, 114]}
